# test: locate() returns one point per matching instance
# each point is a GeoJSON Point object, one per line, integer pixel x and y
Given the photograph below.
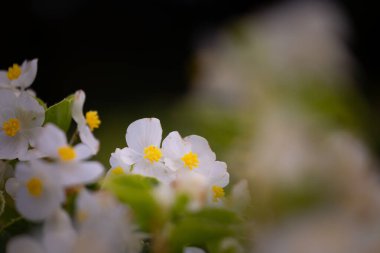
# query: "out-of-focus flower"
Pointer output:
{"type": "Point", "coordinates": [70, 161]}
{"type": "Point", "coordinates": [19, 76]}
{"type": "Point", "coordinates": [58, 236]}
{"type": "Point", "coordinates": [21, 118]}
{"type": "Point", "coordinates": [85, 124]}
{"type": "Point", "coordinates": [37, 190]}
{"type": "Point", "coordinates": [143, 152]}
{"type": "Point", "coordinates": [104, 222]}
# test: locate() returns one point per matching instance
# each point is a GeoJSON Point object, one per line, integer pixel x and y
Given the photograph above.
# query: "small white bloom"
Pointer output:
{"type": "Point", "coordinates": [21, 118]}
{"type": "Point", "coordinates": [120, 162]}
{"type": "Point", "coordinates": [37, 190]}
{"type": "Point", "coordinates": [85, 124]}
{"type": "Point", "coordinates": [194, 155]}
{"type": "Point", "coordinates": [19, 76]}
{"type": "Point", "coordinates": [143, 152]}
{"type": "Point", "coordinates": [70, 161]}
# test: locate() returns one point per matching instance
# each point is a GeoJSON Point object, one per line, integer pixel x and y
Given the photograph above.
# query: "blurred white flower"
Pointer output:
{"type": "Point", "coordinates": [37, 190]}
{"type": "Point", "coordinates": [58, 236]}
{"type": "Point", "coordinates": [143, 152]}
{"type": "Point", "coordinates": [19, 76]}
{"type": "Point", "coordinates": [104, 222]}
{"type": "Point", "coordinates": [21, 118]}
{"type": "Point", "coordinates": [85, 124]}
{"type": "Point", "coordinates": [70, 161]}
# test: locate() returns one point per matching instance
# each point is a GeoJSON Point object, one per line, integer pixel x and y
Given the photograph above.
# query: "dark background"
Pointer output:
{"type": "Point", "coordinates": [121, 52]}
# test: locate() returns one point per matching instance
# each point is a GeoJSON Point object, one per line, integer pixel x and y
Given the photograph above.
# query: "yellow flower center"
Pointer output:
{"type": "Point", "coordinates": [218, 192]}
{"type": "Point", "coordinates": [92, 119]}
{"type": "Point", "coordinates": [34, 186]}
{"type": "Point", "coordinates": [152, 153]}
{"type": "Point", "coordinates": [11, 127]}
{"type": "Point", "coordinates": [82, 216]}
{"type": "Point", "coordinates": [66, 153]}
{"type": "Point", "coordinates": [117, 171]}
{"type": "Point", "coordinates": [190, 160]}
{"type": "Point", "coordinates": [14, 72]}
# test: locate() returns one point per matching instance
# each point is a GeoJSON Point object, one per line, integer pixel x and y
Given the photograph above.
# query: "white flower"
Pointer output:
{"type": "Point", "coordinates": [69, 160]}
{"type": "Point", "coordinates": [21, 118]}
{"type": "Point", "coordinates": [37, 190]}
{"type": "Point", "coordinates": [58, 236]}
{"type": "Point", "coordinates": [143, 152]}
{"type": "Point", "coordinates": [120, 162]}
{"type": "Point", "coordinates": [19, 76]}
{"type": "Point", "coordinates": [194, 155]}
{"type": "Point", "coordinates": [85, 124]}
{"type": "Point", "coordinates": [103, 219]}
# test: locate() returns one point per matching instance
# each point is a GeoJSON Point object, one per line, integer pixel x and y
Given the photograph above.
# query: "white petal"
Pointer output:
{"type": "Point", "coordinates": [143, 133]}
{"type": "Point", "coordinates": [58, 233]}
{"type": "Point", "coordinates": [82, 151]}
{"type": "Point", "coordinates": [11, 186]}
{"type": "Point", "coordinates": [80, 173]}
{"type": "Point", "coordinates": [28, 74]}
{"type": "Point", "coordinates": [29, 111]}
{"type": "Point", "coordinates": [124, 158]}
{"type": "Point", "coordinates": [13, 147]}
{"type": "Point", "coordinates": [174, 147]}
{"type": "Point", "coordinates": [216, 173]}
{"type": "Point", "coordinates": [200, 146]}
{"type": "Point", "coordinates": [77, 109]}
{"type": "Point", "coordinates": [156, 170]}
{"type": "Point", "coordinates": [50, 139]}
{"type": "Point", "coordinates": [4, 81]}
{"type": "Point", "coordinates": [88, 138]}
{"type": "Point", "coordinates": [24, 244]}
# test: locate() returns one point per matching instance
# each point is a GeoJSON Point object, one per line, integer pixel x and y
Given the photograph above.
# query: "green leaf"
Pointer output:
{"type": "Point", "coordinates": [60, 113]}
{"type": "Point", "coordinates": [203, 227]}
{"type": "Point", "coordinates": [137, 192]}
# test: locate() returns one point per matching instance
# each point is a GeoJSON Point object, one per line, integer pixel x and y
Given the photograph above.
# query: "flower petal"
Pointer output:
{"type": "Point", "coordinates": [77, 109]}
{"type": "Point", "coordinates": [24, 244]}
{"type": "Point", "coordinates": [124, 158]}
{"type": "Point", "coordinates": [13, 147]}
{"type": "Point", "coordinates": [29, 72]}
{"type": "Point", "coordinates": [50, 139]}
{"type": "Point", "coordinates": [80, 173]}
{"type": "Point", "coordinates": [143, 133]}
{"type": "Point", "coordinates": [87, 137]}
{"type": "Point", "coordinates": [200, 146]}
{"type": "Point", "coordinates": [174, 147]}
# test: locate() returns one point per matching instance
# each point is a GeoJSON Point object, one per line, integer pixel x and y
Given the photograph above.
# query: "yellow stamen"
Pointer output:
{"type": "Point", "coordinates": [218, 192]}
{"type": "Point", "coordinates": [14, 72]}
{"type": "Point", "coordinates": [11, 127]}
{"type": "Point", "coordinates": [190, 160]}
{"type": "Point", "coordinates": [152, 153]}
{"type": "Point", "coordinates": [34, 186]}
{"type": "Point", "coordinates": [92, 119]}
{"type": "Point", "coordinates": [117, 171]}
{"type": "Point", "coordinates": [66, 153]}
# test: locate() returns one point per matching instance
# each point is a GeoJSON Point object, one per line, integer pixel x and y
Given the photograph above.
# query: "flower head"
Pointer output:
{"type": "Point", "coordinates": [19, 77]}
{"type": "Point", "coordinates": [21, 118]}
{"type": "Point", "coordinates": [69, 160]}
{"type": "Point", "coordinates": [85, 124]}
{"type": "Point", "coordinates": [37, 190]}
{"type": "Point", "coordinates": [143, 152]}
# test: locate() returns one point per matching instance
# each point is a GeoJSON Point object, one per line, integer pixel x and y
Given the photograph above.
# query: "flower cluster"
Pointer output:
{"type": "Point", "coordinates": [144, 201]}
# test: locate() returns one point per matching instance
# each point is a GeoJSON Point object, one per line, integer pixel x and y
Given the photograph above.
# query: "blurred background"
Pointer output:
{"type": "Point", "coordinates": [286, 92]}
